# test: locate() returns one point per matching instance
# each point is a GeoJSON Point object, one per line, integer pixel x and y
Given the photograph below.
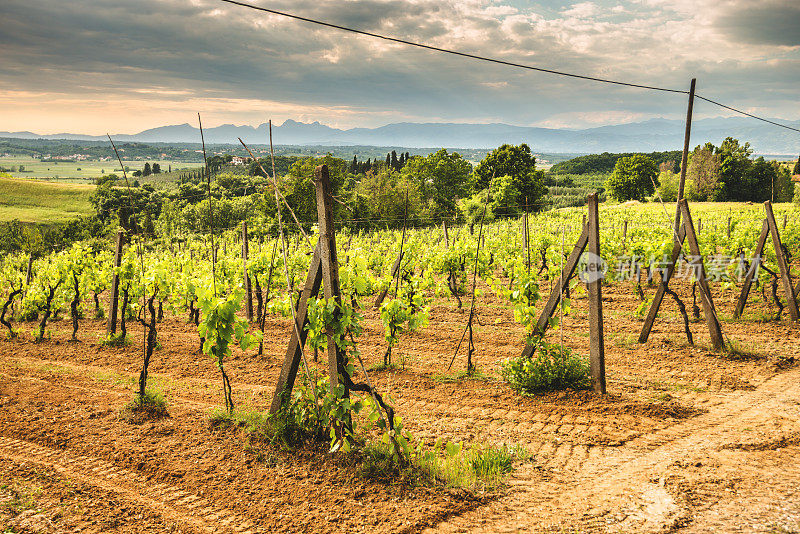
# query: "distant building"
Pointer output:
{"type": "Point", "coordinates": [238, 160]}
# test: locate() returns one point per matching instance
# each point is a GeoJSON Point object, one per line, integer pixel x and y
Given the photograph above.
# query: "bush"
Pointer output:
{"type": "Point", "coordinates": [549, 368]}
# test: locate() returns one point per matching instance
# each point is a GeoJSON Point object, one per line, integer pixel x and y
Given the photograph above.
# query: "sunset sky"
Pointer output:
{"type": "Point", "coordinates": [92, 66]}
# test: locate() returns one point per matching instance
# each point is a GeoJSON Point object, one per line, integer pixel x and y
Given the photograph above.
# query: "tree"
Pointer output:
{"type": "Point", "coordinates": [795, 171]}
{"type": "Point", "coordinates": [634, 178]}
{"type": "Point", "coordinates": [156, 168]}
{"type": "Point", "coordinates": [442, 177]}
{"type": "Point", "coordinates": [354, 166]}
{"type": "Point", "coordinates": [704, 171]}
{"type": "Point", "coordinates": [784, 187]}
{"type": "Point", "coordinates": [395, 163]}
{"type": "Point", "coordinates": [146, 171]}
{"type": "Point", "coordinates": [734, 166]}
{"type": "Point", "coordinates": [517, 162]}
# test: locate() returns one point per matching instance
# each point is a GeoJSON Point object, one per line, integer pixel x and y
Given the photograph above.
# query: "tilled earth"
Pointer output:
{"type": "Point", "coordinates": [686, 440]}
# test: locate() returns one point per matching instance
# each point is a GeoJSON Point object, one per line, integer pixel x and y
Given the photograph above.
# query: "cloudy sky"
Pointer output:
{"type": "Point", "coordinates": [91, 66]}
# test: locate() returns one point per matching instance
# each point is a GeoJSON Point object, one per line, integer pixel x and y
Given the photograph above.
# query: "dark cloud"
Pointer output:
{"type": "Point", "coordinates": [208, 49]}
{"type": "Point", "coordinates": [769, 23]}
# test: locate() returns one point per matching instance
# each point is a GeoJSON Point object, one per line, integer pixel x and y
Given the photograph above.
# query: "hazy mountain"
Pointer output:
{"type": "Point", "coordinates": [654, 134]}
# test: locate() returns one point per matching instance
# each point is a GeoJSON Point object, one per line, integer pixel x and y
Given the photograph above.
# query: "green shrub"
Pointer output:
{"type": "Point", "coordinates": [549, 368]}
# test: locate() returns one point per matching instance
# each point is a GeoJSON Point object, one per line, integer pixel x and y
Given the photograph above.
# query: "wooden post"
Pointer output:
{"type": "Point", "coordinates": [555, 294]}
{"type": "Point", "coordinates": [685, 156]}
{"type": "Point", "coordinates": [748, 277]}
{"type": "Point", "coordinates": [113, 298]}
{"type": "Point", "coordinates": [248, 290]}
{"type": "Point", "coordinates": [785, 220]}
{"type": "Point", "coordinates": [594, 290]}
{"type": "Point", "coordinates": [330, 266]}
{"type": "Point", "coordinates": [729, 227]}
{"type": "Point", "coordinates": [385, 291]}
{"type": "Point", "coordinates": [714, 328]}
{"type": "Point", "coordinates": [446, 237]}
{"type": "Point", "coordinates": [291, 361]}
{"type": "Point", "coordinates": [791, 302]}
{"type": "Point", "coordinates": [624, 231]}
{"type": "Point", "coordinates": [662, 286]}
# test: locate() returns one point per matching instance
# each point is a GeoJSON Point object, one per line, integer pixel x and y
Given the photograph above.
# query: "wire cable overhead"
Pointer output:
{"type": "Point", "coordinates": [495, 60]}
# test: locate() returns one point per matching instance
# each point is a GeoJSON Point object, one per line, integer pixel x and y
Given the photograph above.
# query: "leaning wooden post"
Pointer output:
{"type": "Point", "coordinates": [751, 272]}
{"type": "Point", "coordinates": [248, 290]}
{"type": "Point", "coordinates": [597, 360]}
{"type": "Point", "coordinates": [113, 298]}
{"type": "Point", "coordinates": [714, 328]}
{"type": "Point", "coordinates": [791, 301]}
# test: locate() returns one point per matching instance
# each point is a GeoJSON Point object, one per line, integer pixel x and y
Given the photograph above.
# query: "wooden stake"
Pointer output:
{"type": "Point", "coordinates": [595, 293]}
{"type": "Point", "coordinates": [113, 298]}
{"type": "Point", "coordinates": [783, 267]}
{"type": "Point", "coordinates": [748, 277]}
{"type": "Point", "coordinates": [291, 361]}
{"type": "Point", "coordinates": [555, 293]}
{"type": "Point", "coordinates": [248, 290]}
{"type": "Point", "coordinates": [714, 328]}
{"type": "Point", "coordinates": [446, 237]}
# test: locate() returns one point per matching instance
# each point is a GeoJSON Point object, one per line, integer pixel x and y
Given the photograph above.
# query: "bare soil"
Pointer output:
{"type": "Point", "coordinates": [687, 439]}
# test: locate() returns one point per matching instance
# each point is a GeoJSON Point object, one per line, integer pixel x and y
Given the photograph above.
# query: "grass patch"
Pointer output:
{"type": "Point", "coordinates": [739, 352]}
{"type": "Point", "coordinates": [477, 469]}
{"type": "Point", "coordinates": [115, 340]}
{"type": "Point", "coordinates": [19, 498]}
{"type": "Point", "coordinates": [458, 376]}
{"type": "Point", "coordinates": [145, 408]}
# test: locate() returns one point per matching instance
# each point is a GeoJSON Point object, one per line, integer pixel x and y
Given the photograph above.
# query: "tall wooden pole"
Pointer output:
{"type": "Point", "coordinates": [594, 290]}
{"type": "Point", "coordinates": [329, 265]}
{"type": "Point", "coordinates": [685, 156]}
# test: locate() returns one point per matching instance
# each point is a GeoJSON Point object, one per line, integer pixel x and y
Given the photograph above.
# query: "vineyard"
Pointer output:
{"type": "Point", "coordinates": [433, 321]}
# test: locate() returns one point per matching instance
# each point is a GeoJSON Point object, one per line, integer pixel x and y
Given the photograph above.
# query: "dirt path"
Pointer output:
{"type": "Point", "coordinates": [649, 484]}
{"type": "Point", "coordinates": [174, 504]}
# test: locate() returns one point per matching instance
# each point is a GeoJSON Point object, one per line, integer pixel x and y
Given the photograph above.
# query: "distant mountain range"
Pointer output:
{"type": "Point", "coordinates": [648, 136]}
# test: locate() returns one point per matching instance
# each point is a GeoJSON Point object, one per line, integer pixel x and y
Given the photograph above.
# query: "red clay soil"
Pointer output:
{"type": "Point", "coordinates": [687, 438]}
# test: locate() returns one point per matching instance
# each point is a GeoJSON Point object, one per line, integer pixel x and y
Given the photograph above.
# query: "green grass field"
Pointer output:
{"type": "Point", "coordinates": [42, 202]}
{"type": "Point", "coordinates": [79, 171]}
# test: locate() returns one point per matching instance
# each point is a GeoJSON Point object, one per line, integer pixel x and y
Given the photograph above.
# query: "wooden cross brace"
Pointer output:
{"type": "Point", "coordinates": [324, 270]}
{"type": "Point", "coordinates": [769, 227]}
{"type": "Point", "coordinates": [685, 232]}
{"type": "Point", "coordinates": [589, 239]}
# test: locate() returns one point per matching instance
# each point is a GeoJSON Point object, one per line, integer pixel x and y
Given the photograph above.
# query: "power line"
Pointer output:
{"type": "Point", "coordinates": [747, 114]}
{"type": "Point", "coordinates": [453, 52]}
{"type": "Point", "coordinates": [498, 61]}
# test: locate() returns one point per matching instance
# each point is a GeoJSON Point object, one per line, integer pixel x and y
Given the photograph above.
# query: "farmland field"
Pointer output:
{"type": "Point", "coordinates": [33, 201]}
{"type": "Point", "coordinates": [681, 424]}
{"type": "Point", "coordinates": [78, 171]}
